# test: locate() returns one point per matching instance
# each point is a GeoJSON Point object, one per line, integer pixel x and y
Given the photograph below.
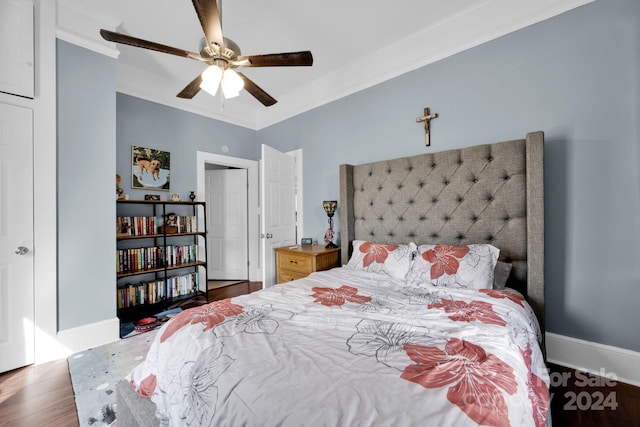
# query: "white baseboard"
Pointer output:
{"type": "Point", "coordinates": [599, 359]}
{"type": "Point", "coordinates": [73, 340]}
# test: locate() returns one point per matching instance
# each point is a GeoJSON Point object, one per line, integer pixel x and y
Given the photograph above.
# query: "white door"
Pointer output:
{"type": "Point", "coordinates": [278, 195]}
{"type": "Point", "coordinates": [16, 238]}
{"type": "Point", "coordinates": [226, 196]}
{"type": "Point", "coordinates": [16, 47]}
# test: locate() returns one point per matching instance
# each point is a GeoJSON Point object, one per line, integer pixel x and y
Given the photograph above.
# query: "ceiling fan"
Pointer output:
{"type": "Point", "coordinates": [221, 54]}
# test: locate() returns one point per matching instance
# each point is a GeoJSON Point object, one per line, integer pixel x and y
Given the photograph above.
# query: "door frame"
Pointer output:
{"type": "Point", "coordinates": [253, 203]}
{"type": "Point", "coordinates": [253, 211]}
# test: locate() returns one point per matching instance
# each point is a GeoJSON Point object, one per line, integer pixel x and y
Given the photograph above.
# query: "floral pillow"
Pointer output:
{"type": "Point", "coordinates": [392, 259]}
{"type": "Point", "coordinates": [468, 266]}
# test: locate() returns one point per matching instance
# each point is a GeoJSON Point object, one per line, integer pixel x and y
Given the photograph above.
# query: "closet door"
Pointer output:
{"type": "Point", "coordinates": [16, 238]}
{"type": "Point", "coordinates": [16, 47]}
{"type": "Point", "coordinates": [227, 231]}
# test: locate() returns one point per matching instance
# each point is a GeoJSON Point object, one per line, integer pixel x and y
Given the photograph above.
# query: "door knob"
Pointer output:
{"type": "Point", "coordinates": [21, 250]}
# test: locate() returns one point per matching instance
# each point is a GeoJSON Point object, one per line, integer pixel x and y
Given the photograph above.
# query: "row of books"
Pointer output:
{"type": "Point", "coordinates": [139, 259]}
{"type": "Point", "coordinates": [155, 291]}
{"type": "Point", "coordinates": [149, 225]}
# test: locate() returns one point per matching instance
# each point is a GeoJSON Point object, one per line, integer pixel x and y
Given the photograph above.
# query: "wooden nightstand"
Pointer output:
{"type": "Point", "coordinates": [295, 262]}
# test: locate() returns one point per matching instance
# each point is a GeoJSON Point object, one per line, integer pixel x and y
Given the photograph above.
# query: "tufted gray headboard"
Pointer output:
{"type": "Point", "coordinates": [492, 193]}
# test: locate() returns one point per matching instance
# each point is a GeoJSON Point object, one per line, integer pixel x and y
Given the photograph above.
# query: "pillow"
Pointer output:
{"type": "Point", "coordinates": [501, 274]}
{"type": "Point", "coordinates": [468, 266]}
{"type": "Point", "coordinates": [392, 259]}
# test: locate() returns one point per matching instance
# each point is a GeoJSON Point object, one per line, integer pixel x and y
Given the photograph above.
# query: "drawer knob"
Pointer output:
{"type": "Point", "coordinates": [293, 261]}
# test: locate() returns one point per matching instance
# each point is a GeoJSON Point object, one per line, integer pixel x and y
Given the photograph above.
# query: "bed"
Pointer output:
{"type": "Point", "coordinates": [436, 316]}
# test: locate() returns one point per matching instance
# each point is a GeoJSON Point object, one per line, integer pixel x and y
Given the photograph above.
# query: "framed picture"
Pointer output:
{"type": "Point", "coordinates": [154, 197]}
{"type": "Point", "coordinates": [150, 168]}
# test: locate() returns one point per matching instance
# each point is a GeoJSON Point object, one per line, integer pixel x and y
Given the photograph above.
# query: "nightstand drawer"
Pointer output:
{"type": "Point", "coordinates": [296, 262]}
{"type": "Point", "coordinates": [288, 275]}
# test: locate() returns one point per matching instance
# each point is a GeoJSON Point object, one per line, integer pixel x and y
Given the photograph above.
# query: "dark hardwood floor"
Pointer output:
{"type": "Point", "coordinates": [38, 395]}
{"type": "Point", "coordinates": [234, 290]}
{"type": "Point", "coordinates": [42, 395]}
{"type": "Point", "coordinates": [580, 399]}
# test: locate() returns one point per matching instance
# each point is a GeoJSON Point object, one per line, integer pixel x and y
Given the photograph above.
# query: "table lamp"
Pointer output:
{"type": "Point", "coordinates": [330, 208]}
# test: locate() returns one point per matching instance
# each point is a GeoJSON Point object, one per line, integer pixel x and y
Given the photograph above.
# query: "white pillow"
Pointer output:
{"type": "Point", "coordinates": [391, 259]}
{"type": "Point", "coordinates": [465, 266]}
{"type": "Point", "coordinates": [501, 274]}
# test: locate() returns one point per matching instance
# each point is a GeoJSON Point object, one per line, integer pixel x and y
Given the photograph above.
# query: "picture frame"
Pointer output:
{"type": "Point", "coordinates": [150, 168]}
{"type": "Point", "coordinates": [154, 197]}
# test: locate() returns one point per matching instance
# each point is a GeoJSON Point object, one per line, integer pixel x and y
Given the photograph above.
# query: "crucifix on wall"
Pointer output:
{"type": "Point", "coordinates": [426, 118]}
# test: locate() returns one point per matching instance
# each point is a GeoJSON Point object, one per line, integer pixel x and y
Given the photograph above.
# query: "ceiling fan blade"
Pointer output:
{"type": "Point", "coordinates": [289, 59]}
{"type": "Point", "coordinates": [145, 44]}
{"type": "Point", "coordinates": [191, 89]}
{"type": "Point", "coordinates": [209, 16]}
{"type": "Point", "coordinates": [257, 92]}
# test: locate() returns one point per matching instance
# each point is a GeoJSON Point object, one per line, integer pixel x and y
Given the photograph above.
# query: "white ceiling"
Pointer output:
{"type": "Point", "coordinates": [355, 44]}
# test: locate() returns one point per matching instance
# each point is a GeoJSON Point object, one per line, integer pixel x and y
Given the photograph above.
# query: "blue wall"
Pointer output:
{"type": "Point", "coordinates": [575, 77]}
{"type": "Point", "coordinates": [157, 126]}
{"type": "Point", "coordinates": [86, 149]}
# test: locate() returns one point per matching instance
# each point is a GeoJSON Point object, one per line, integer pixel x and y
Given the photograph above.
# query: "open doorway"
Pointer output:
{"type": "Point", "coordinates": [226, 195]}
{"type": "Point", "coordinates": [212, 161]}
{"type": "Point", "coordinates": [253, 205]}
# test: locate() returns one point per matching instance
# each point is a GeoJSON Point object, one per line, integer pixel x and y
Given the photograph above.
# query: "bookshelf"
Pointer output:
{"type": "Point", "coordinates": [161, 255]}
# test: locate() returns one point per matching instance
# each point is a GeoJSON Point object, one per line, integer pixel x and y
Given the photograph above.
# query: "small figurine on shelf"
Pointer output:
{"type": "Point", "coordinates": [192, 196]}
{"type": "Point", "coordinates": [171, 219]}
{"type": "Point", "coordinates": [170, 225]}
{"type": "Point", "coordinates": [119, 190]}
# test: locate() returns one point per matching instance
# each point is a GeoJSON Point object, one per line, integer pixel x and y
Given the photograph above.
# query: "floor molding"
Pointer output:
{"type": "Point", "coordinates": [87, 336]}
{"type": "Point", "coordinates": [616, 363]}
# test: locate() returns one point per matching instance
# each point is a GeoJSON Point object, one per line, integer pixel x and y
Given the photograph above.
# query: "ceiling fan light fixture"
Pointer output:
{"type": "Point", "coordinates": [211, 78]}
{"type": "Point", "coordinates": [231, 83]}
{"type": "Point", "coordinates": [220, 53]}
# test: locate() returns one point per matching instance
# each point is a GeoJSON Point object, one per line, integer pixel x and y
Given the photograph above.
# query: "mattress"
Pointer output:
{"type": "Point", "coordinates": [346, 347]}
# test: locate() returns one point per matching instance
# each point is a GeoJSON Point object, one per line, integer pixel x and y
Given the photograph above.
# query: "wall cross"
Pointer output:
{"type": "Point", "coordinates": [426, 119]}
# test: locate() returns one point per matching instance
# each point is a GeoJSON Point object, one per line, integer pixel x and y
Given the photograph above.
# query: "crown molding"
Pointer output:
{"type": "Point", "coordinates": [471, 27]}
{"type": "Point", "coordinates": [78, 24]}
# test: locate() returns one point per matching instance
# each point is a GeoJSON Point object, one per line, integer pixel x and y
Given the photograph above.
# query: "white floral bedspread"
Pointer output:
{"type": "Point", "coordinates": [350, 348]}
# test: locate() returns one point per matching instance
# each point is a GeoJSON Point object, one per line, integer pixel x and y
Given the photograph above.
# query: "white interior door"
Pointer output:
{"type": "Point", "coordinates": [16, 47]}
{"type": "Point", "coordinates": [278, 212]}
{"type": "Point", "coordinates": [226, 197]}
{"type": "Point", "coordinates": [16, 237]}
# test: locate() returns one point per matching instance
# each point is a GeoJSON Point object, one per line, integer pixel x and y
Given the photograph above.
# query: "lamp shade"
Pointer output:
{"type": "Point", "coordinates": [231, 83]}
{"type": "Point", "coordinates": [330, 207]}
{"type": "Point", "coordinates": [211, 79]}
